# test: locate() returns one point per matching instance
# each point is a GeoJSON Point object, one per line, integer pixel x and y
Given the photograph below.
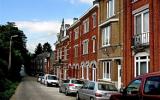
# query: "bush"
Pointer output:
{"type": "Point", "coordinates": [9, 89]}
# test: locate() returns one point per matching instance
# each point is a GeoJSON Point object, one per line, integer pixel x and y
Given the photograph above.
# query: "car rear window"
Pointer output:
{"type": "Point", "coordinates": [65, 81]}
{"type": "Point", "coordinates": [52, 77]}
{"type": "Point", "coordinates": [77, 82]}
{"type": "Point", "coordinates": [107, 87]}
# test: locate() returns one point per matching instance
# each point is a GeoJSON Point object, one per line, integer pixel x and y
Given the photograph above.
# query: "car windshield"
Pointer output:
{"type": "Point", "coordinates": [107, 87]}
{"type": "Point", "coordinates": [52, 77]}
{"type": "Point", "coordinates": [77, 82]}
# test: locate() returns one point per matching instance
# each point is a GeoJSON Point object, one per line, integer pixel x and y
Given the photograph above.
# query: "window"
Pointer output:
{"type": "Point", "coordinates": [94, 43]}
{"type": "Point", "coordinates": [107, 70]}
{"type": "Point", "coordinates": [133, 87]}
{"type": "Point", "coordinates": [85, 86]}
{"type": "Point", "coordinates": [134, 1]}
{"type": "Point", "coordinates": [76, 51]}
{"type": "Point", "coordinates": [91, 86]}
{"type": "Point", "coordinates": [141, 64]}
{"type": "Point", "coordinates": [65, 53]}
{"type": "Point", "coordinates": [57, 54]}
{"type": "Point", "coordinates": [142, 22]}
{"type": "Point", "coordinates": [85, 47]}
{"type": "Point", "coordinates": [152, 85]}
{"type": "Point", "coordinates": [110, 8]}
{"type": "Point", "coordinates": [94, 20]}
{"type": "Point", "coordinates": [106, 36]}
{"type": "Point", "coordinates": [86, 25]}
{"type": "Point", "coordinates": [60, 55]}
{"type": "Point", "coordinates": [141, 30]}
{"type": "Point", "coordinates": [70, 34]}
{"type": "Point", "coordinates": [76, 33]}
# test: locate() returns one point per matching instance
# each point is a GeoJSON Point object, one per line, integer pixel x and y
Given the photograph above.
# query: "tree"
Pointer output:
{"type": "Point", "coordinates": [38, 49]}
{"type": "Point", "coordinates": [19, 51]}
{"type": "Point", "coordinates": [47, 47]}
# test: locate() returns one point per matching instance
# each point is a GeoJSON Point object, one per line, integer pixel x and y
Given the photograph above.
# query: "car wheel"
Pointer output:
{"type": "Point", "coordinates": [47, 84]}
{"type": "Point", "coordinates": [66, 92]}
{"type": "Point", "coordinates": [77, 96]}
{"type": "Point", "coordinates": [91, 98]}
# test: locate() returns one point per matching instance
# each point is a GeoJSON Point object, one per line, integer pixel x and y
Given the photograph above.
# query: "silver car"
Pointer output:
{"type": "Point", "coordinates": [96, 91]}
{"type": "Point", "coordinates": [70, 86]}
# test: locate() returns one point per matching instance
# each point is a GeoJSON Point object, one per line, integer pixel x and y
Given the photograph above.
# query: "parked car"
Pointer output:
{"type": "Point", "coordinates": [51, 80]}
{"type": "Point", "coordinates": [39, 78]}
{"type": "Point", "coordinates": [70, 86]}
{"type": "Point", "coordinates": [42, 80]}
{"type": "Point", "coordinates": [144, 87]}
{"type": "Point", "coordinates": [96, 91]}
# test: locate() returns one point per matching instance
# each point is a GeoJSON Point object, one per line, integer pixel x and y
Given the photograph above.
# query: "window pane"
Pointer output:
{"type": "Point", "coordinates": [146, 22]}
{"type": "Point", "coordinates": [137, 69]}
{"type": "Point", "coordinates": [143, 67]}
{"type": "Point", "coordinates": [103, 37]}
{"type": "Point", "coordinates": [134, 87]}
{"type": "Point", "coordinates": [152, 86]}
{"type": "Point", "coordinates": [138, 24]}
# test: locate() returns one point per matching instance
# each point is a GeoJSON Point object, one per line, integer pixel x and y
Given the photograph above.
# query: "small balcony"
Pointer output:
{"type": "Point", "coordinates": [141, 40]}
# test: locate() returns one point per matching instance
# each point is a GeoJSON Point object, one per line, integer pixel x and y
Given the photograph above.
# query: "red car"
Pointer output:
{"type": "Point", "coordinates": [144, 87]}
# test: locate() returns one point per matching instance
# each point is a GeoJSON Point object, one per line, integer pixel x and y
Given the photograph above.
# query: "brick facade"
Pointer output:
{"type": "Point", "coordinates": [146, 43]}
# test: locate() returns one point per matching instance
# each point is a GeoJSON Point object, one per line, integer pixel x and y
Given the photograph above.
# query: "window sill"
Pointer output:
{"type": "Point", "coordinates": [134, 1]}
{"type": "Point", "coordinates": [105, 46]}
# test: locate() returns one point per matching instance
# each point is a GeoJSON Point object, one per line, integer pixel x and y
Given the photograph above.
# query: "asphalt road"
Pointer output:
{"type": "Point", "coordinates": [30, 89]}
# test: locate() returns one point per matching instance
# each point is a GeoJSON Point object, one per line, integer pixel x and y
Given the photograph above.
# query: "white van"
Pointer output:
{"type": "Point", "coordinates": [51, 80]}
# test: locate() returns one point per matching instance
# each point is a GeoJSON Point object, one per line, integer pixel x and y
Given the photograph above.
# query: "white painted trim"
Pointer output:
{"type": "Point", "coordinates": [140, 9]}
{"type": "Point", "coordinates": [114, 58]}
{"type": "Point", "coordinates": [109, 21]}
{"type": "Point", "coordinates": [141, 60]}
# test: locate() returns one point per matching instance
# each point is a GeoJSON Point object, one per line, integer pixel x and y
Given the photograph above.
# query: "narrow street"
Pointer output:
{"type": "Point", "coordinates": [30, 89]}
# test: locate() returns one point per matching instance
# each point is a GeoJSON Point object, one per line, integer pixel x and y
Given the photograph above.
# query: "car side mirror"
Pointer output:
{"type": "Point", "coordinates": [123, 90]}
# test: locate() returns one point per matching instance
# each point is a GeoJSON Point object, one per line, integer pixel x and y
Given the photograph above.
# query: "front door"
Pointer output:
{"type": "Point", "coordinates": [93, 74]}
{"type": "Point", "coordinates": [119, 76]}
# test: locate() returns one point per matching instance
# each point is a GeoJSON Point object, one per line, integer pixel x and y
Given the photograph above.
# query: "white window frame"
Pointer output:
{"type": "Point", "coordinates": [76, 51]}
{"type": "Point", "coordinates": [105, 76]}
{"type": "Point", "coordinates": [142, 21]}
{"type": "Point", "coordinates": [65, 53]}
{"type": "Point", "coordinates": [106, 32]}
{"type": "Point", "coordinates": [85, 46]}
{"type": "Point", "coordinates": [86, 25]}
{"type": "Point", "coordinates": [82, 71]}
{"type": "Point", "coordinates": [58, 54]}
{"type": "Point", "coordinates": [94, 19]}
{"type": "Point", "coordinates": [94, 44]}
{"type": "Point", "coordinates": [76, 33]}
{"type": "Point", "coordinates": [138, 60]}
{"type": "Point", "coordinates": [144, 35]}
{"type": "Point", "coordinates": [109, 7]}
{"type": "Point", "coordinates": [60, 51]}
{"type": "Point", "coordinates": [70, 34]}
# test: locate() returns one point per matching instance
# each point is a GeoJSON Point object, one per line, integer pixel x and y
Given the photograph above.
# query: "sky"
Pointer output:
{"type": "Point", "coordinates": [40, 20]}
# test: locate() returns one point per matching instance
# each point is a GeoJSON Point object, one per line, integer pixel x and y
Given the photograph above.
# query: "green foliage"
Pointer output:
{"type": "Point", "coordinates": [47, 47]}
{"type": "Point", "coordinates": [19, 51]}
{"type": "Point", "coordinates": [9, 88]}
{"type": "Point", "coordinates": [38, 49]}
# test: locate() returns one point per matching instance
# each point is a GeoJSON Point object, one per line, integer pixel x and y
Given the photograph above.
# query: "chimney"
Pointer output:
{"type": "Point", "coordinates": [75, 19]}
{"type": "Point", "coordinates": [95, 2]}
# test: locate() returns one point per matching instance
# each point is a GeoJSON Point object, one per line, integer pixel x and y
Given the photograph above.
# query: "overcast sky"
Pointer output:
{"type": "Point", "coordinates": [40, 20]}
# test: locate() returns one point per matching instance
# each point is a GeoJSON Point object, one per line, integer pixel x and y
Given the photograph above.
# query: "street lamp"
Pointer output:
{"type": "Point", "coordinates": [10, 47]}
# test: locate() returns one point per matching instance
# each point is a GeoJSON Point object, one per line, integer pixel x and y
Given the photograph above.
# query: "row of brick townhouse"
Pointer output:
{"type": "Point", "coordinates": [115, 40]}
